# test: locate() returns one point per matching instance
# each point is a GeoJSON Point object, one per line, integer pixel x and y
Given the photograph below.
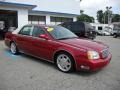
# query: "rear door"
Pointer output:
{"type": "Point", "coordinates": [23, 39]}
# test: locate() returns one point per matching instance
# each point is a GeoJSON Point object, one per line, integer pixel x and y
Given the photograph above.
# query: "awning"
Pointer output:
{"type": "Point", "coordinates": [52, 13]}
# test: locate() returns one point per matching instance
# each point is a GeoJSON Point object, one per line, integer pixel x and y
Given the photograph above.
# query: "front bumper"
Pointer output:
{"type": "Point", "coordinates": [92, 65]}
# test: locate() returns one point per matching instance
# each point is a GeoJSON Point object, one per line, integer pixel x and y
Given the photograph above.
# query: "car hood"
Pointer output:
{"type": "Point", "coordinates": [85, 44]}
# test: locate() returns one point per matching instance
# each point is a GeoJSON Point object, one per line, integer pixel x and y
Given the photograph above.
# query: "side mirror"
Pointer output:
{"type": "Point", "coordinates": [44, 36]}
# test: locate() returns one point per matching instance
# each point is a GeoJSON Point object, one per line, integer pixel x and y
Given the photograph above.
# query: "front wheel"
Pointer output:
{"type": "Point", "coordinates": [64, 62]}
{"type": "Point", "coordinates": [13, 48]}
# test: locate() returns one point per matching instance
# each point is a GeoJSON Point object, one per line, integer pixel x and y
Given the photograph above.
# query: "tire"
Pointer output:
{"type": "Point", "coordinates": [114, 35]}
{"type": "Point", "coordinates": [13, 48]}
{"type": "Point", "coordinates": [65, 62]}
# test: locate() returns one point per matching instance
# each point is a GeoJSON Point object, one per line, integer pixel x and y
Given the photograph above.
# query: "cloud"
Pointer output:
{"type": "Point", "coordinates": [90, 7]}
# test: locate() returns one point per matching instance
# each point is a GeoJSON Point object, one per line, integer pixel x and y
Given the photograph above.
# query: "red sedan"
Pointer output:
{"type": "Point", "coordinates": [60, 46]}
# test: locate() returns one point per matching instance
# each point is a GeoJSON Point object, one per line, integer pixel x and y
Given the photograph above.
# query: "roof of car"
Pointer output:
{"type": "Point", "coordinates": [76, 22]}
{"type": "Point", "coordinates": [41, 25]}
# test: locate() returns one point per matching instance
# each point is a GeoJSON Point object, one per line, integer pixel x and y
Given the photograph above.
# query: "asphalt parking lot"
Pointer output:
{"type": "Point", "coordinates": [23, 72]}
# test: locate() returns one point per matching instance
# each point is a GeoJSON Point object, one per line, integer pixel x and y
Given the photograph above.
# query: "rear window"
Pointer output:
{"type": "Point", "coordinates": [67, 25]}
{"type": "Point", "coordinates": [25, 30]}
{"type": "Point", "coordinates": [88, 27]}
{"type": "Point", "coordinates": [77, 27]}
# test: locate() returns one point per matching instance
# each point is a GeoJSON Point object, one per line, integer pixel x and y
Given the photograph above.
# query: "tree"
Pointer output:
{"type": "Point", "coordinates": [100, 16]}
{"type": "Point", "coordinates": [116, 18]}
{"type": "Point", "coordinates": [85, 18]}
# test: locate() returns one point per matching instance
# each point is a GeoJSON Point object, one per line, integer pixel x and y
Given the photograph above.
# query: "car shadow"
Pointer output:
{"type": "Point", "coordinates": [8, 53]}
{"type": "Point", "coordinates": [31, 58]}
{"type": "Point", "coordinates": [86, 73]}
{"type": "Point", "coordinates": [46, 63]}
{"type": "Point", "coordinates": [53, 66]}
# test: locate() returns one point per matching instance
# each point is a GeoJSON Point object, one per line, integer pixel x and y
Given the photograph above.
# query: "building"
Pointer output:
{"type": "Point", "coordinates": [16, 13]}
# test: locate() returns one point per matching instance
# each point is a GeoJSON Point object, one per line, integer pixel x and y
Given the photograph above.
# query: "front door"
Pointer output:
{"type": "Point", "coordinates": [41, 47]}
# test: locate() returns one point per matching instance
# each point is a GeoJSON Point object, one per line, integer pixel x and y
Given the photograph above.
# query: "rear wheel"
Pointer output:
{"type": "Point", "coordinates": [64, 62]}
{"type": "Point", "coordinates": [114, 35]}
{"type": "Point", "coordinates": [13, 48]}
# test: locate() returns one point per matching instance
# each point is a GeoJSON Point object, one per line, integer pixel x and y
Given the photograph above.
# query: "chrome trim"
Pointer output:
{"type": "Point", "coordinates": [104, 49]}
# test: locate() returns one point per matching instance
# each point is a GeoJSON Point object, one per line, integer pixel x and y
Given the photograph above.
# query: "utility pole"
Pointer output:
{"type": "Point", "coordinates": [81, 11]}
{"type": "Point", "coordinates": [109, 14]}
{"type": "Point", "coordinates": [104, 17]}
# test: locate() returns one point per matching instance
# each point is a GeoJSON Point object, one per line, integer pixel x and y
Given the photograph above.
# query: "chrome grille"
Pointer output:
{"type": "Point", "coordinates": [105, 53]}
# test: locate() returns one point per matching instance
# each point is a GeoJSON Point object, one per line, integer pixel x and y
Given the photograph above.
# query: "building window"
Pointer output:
{"type": "Point", "coordinates": [33, 19]}
{"type": "Point", "coordinates": [59, 20]}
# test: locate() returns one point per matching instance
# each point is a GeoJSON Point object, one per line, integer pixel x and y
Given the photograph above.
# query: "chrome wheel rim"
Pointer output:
{"type": "Point", "coordinates": [64, 62]}
{"type": "Point", "coordinates": [13, 48]}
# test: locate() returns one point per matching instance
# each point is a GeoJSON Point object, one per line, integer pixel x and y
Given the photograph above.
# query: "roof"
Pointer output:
{"type": "Point", "coordinates": [29, 6]}
{"type": "Point", "coordinates": [48, 12]}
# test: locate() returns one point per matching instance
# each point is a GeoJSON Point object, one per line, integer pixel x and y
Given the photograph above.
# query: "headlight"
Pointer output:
{"type": "Point", "coordinates": [93, 55]}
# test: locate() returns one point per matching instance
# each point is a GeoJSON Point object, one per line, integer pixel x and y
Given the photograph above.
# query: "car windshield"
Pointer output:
{"type": "Point", "coordinates": [59, 32]}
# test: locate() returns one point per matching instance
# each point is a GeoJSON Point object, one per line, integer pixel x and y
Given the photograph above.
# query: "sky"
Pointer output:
{"type": "Point", "coordinates": [90, 7]}
{"type": "Point", "coordinates": [52, 5]}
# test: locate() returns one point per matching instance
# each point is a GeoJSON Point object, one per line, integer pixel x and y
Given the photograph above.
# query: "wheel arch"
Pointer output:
{"type": "Point", "coordinates": [64, 51]}
{"type": "Point", "coordinates": [12, 42]}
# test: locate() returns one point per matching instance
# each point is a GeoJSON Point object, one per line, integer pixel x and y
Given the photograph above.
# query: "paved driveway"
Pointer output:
{"type": "Point", "coordinates": [23, 72]}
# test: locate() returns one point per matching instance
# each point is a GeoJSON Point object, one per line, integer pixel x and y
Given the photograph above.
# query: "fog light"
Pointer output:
{"type": "Point", "coordinates": [85, 67]}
